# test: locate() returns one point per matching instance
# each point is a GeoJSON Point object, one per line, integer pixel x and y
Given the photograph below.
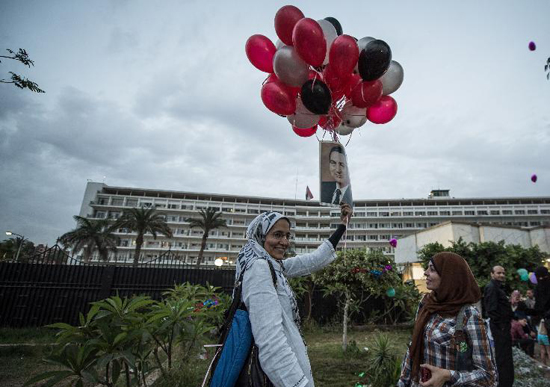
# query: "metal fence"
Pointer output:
{"type": "Point", "coordinates": [54, 287]}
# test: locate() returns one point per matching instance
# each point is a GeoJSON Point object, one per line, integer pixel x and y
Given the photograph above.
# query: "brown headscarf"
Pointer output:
{"type": "Point", "coordinates": [458, 288]}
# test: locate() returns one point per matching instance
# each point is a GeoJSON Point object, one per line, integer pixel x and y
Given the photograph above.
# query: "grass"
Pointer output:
{"type": "Point", "coordinates": [330, 366]}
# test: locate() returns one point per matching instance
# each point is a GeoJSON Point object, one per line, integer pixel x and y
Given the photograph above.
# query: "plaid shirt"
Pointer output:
{"type": "Point", "coordinates": [439, 351]}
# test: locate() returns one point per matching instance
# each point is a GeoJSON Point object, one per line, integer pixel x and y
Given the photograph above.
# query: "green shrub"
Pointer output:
{"type": "Point", "coordinates": [122, 340]}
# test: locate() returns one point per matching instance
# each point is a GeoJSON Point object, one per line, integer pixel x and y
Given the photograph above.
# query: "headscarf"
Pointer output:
{"type": "Point", "coordinates": [254, 249]}
{"type": "Point", "coordinates": [458, 287]}
{"type": "Point", "coordinates": [542, 291]}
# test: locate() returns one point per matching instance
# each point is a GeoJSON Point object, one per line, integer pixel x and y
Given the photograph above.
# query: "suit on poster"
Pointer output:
{"type": "Point", "coordinates": [335, 177]}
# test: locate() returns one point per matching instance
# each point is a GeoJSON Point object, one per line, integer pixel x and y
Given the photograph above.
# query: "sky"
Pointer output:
{"type": "Point", "coordinates": [161, 95]}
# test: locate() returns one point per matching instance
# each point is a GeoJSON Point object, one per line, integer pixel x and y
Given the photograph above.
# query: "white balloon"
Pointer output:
{"type": "Point", "coordinates": [330, 35]}
{"type": "Point", "coordinates": [362, 43]}
{"type": "Point", "coordinates": [352, 116]}
{"type": "Point", "coordinates": [344, 130]}
{"type": "Point", "coordinates": [393, 78]}
{"type": "Point", "coordinates": [303, 118]}
{"type": "Point", "coordinates": [289, 67]}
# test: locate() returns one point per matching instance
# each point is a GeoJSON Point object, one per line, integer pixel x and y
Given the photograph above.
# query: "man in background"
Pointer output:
{"type": "Point", "coordinates": [499, 311]}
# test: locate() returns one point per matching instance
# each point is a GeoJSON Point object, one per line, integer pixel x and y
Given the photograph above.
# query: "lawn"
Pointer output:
{"type": "Point", "coordinates": [330, 366]}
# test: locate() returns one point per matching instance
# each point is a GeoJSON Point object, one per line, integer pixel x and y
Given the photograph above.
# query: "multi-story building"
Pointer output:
{"type": "Point", "coordinates": [374, 222]}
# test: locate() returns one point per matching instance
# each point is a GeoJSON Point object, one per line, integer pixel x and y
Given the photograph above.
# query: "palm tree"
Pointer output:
{"type": "Point", "coordinates": [209, 220]}
{"type": "Point", "coordinates": [90, 234]}
{"type": "Point", "coordinates": [143, 220]}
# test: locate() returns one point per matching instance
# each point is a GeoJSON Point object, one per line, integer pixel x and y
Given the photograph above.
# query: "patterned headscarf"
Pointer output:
{"type": "Point", "coordinates": [254, 249]}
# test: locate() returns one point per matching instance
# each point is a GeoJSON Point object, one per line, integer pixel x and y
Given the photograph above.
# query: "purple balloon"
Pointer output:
{"type": "Point", "coordinates": [533, 278]}
{"type": "Point", "coordinates": [532, 46]}
{"type": "Point", "coordinates": [534, 178]}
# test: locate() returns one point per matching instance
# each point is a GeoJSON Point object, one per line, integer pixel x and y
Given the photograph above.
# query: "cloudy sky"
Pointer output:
{"type": "Point", "coordinates": [161, 95]}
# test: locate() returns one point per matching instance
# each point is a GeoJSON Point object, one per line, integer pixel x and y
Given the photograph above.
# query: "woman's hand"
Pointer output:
{"type": "Point", "coordinates": [345, 213]}
{"type": "Point", "coordinates": [439, 376]}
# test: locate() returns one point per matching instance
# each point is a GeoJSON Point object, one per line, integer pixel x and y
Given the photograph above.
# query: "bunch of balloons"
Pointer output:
{"type": "Point", "coordinates": [320, 77]}
{"type": "Point", "coordinates": [523, 274]}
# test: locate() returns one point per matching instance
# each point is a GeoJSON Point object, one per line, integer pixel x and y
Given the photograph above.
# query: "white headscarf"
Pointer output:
{"type": "Point", "coordinates": [254, 249]}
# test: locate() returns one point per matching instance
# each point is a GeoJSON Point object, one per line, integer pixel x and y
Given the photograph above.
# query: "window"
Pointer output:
{"type": "Point", "coordinates": [117, 202]}
{"type": "Point", "coordinates": [409, 225]}
{"type": "Point", "coordinates": [520, 212]}
{"type": "Point", "coordinates": [372, 225]}
{"type": "Point", "coordinates": [373, 237]}
{"type": "Point", "coordinates": [397, 225]}
{"type": "Point", "coordinates": [384, 214]}
{"type": "Point", "coordinates": [372, 214]}
{"type": "Point", "coordinates": [482, 212]}
{"type": "Point", "coordinates": [469, 213]}
{"type": "Point", "coordinates": [507, 212]}
{"type": "Point", "coordinates": [384, 237]}
{"type": "Point", "coordinates": [100, 214]}
{"type": "Point", "coordinates": [131, 203]}
{"type": "Point", "coordinates": [420, 213]}
{"type": "Point", "coordinates": [103, 201]}
{"type": "Point", "coordinates": [457, 213]}
{"type": "Point", "coordinates": [384, 225]}
{"type": "Point", "coordinates": [495, 212]}
{"type": "Point", "coordinates": [432, 213]}
{"type": "Point", "coordinates": [445, 213]}
{"type": "Point", "coordinates": [433, 224]}
{"type": "Point", "coordinates": [544, 211]}
{"type": "Point", "coordinates": [408, 213]}
{"type": "Point", "coordinates": [422, 225]}
{"type": "Point", "coordinates": [395, 213]}
{"type": "Point", "coordinates": [532, 212]}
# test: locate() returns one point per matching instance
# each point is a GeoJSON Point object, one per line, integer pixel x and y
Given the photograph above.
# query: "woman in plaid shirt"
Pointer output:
{"type": "Point", "coordinates": [432, 359]}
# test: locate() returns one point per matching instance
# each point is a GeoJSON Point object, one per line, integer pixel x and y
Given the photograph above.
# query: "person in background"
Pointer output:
{"type": "Point", "coordinates": [544, 343]}
{"type": "Point", "coordinates": [529, 299]}
{"type": "Point", "coordinates": [431, 360]}
{"type": "Point", "coordinates": [498, 309]}
{"type": "Point", "coordinates": [526, 341]}
{"type": "Point", "coordinates": [516, 303]}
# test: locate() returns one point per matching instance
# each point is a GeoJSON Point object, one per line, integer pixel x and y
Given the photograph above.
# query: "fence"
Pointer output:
{"type": "Point", "coordinates": [54, 287]}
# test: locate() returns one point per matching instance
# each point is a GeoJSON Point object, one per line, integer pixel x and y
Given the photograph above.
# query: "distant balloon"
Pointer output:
{"type": "Point", "coordinates": [534, 178]}
{"type": "Point", "coordinates": [390, 292]}
{"type": "Point", "coordinates": [393, 242]}
{"type": "Point", "coordinates": [532, 46]}
{"type": "Point", "coordinates": [533, 278]}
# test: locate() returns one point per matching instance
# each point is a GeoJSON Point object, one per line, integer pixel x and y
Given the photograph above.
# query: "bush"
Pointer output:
{"type": "Point", "coordinates": [126, 339]}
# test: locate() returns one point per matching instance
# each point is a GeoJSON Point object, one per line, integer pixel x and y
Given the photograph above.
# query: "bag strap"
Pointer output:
{"type": "Point", "coordinates": [460, 319]}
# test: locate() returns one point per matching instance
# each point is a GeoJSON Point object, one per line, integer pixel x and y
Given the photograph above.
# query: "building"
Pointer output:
{"type": "Point", "coordinates": [406, 253]}
{"type": "Point", "coordinates": [374, 223]}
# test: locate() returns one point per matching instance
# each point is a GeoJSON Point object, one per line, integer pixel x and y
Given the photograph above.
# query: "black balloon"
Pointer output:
{"type": "Point", "coordinates": [316, 96]}
{"type": "Point", "coordinates": [336, 24]}
{"type": "Point", "coordinates": [374, 60]}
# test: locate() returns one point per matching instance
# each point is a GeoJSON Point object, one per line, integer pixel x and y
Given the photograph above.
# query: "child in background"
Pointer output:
{"type": "Point", "coordinates": [544, 343]}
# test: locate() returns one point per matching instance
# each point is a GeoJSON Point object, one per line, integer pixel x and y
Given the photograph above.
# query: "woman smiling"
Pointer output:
{"type": "Point", "coordinates": [449, 345]}
{"type": "Point", "coordinates": [270, 302]}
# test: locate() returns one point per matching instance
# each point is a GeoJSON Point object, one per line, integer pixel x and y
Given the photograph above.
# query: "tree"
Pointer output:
{"type": "Point", "coordinates": [143, 220]}
{"type": "Point", "coordinates": [209, 220]}
{"type": "Point", "coordinates": [21, 82]}
{"type": "Point", "coordinates": [483, 256]}
{"type": "Point", "coordinates": [356, 277]}
{"type": "Point", "coordinates": [10, 247]}
{"type": "Point", "coordinates": [89, 235]}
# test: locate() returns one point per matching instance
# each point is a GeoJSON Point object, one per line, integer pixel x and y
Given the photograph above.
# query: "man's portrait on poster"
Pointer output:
{"type": "Point", "coordinates": [335, 176]}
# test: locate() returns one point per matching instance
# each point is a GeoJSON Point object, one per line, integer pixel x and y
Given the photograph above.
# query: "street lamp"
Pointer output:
{"type": "Point", "coordinates": [10, 233]}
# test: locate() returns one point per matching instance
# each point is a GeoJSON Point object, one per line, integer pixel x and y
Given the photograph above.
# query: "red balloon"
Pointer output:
{"type": "Point", "coordinates": [309, 41]}
{"type": "Point", "coordinates": [353, 81]}
{"type": "Point", "coordinates": [285, 20]}
{"type": "Point", "coordinates": [271, 78]}
{"type": "Point", "coordinates": [383, 111]}
{"type": "Point", "coordinates": [366, 93]}
{"type": "Point", "coordinates": [343, 55]}
{"type": "Point", "coordinates": [260, 51]}
{"type": "Point", "coordinates": [334, 82]}
{"type": "Point", "coordinates": [278, 98]}
{"type": "Point", "coordinates": [305, 132]}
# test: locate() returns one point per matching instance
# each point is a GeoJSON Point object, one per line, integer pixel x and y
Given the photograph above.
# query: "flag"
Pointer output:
{"type": "Point", "coordinates": [309, 195]}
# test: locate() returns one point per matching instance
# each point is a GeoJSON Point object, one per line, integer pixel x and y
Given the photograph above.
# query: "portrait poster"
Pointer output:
{"type": "Point", "coordinates": [335, 178]}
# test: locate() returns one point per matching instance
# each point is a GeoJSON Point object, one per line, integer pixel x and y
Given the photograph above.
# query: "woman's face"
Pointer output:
{"type": "Point", "coordinates": [433, 280]}
{"type": "Point", "coordinates": [277, 239]}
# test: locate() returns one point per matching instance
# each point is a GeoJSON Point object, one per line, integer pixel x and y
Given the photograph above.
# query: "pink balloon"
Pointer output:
{"type": "Point", "coordinates": [366, 93]}
{"type": "Point", "coordinates": [305, 132]}
{"type": "Point", "coordinates": [383, 111]}
{"type": "Point", "coordinates": [309, 41]}
{"type": "Point", "coordinates": [260, 51]}
{"type": "Point", "coordinates": [343, 55]}
{"type": "Point", "coordinates": [285, 20]}
{"type": "Point", "coordinates": [278, 98]}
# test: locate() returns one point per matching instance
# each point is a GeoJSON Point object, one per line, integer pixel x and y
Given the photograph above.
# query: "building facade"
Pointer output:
{"type": "Point", "coordinates": [374, 222]}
